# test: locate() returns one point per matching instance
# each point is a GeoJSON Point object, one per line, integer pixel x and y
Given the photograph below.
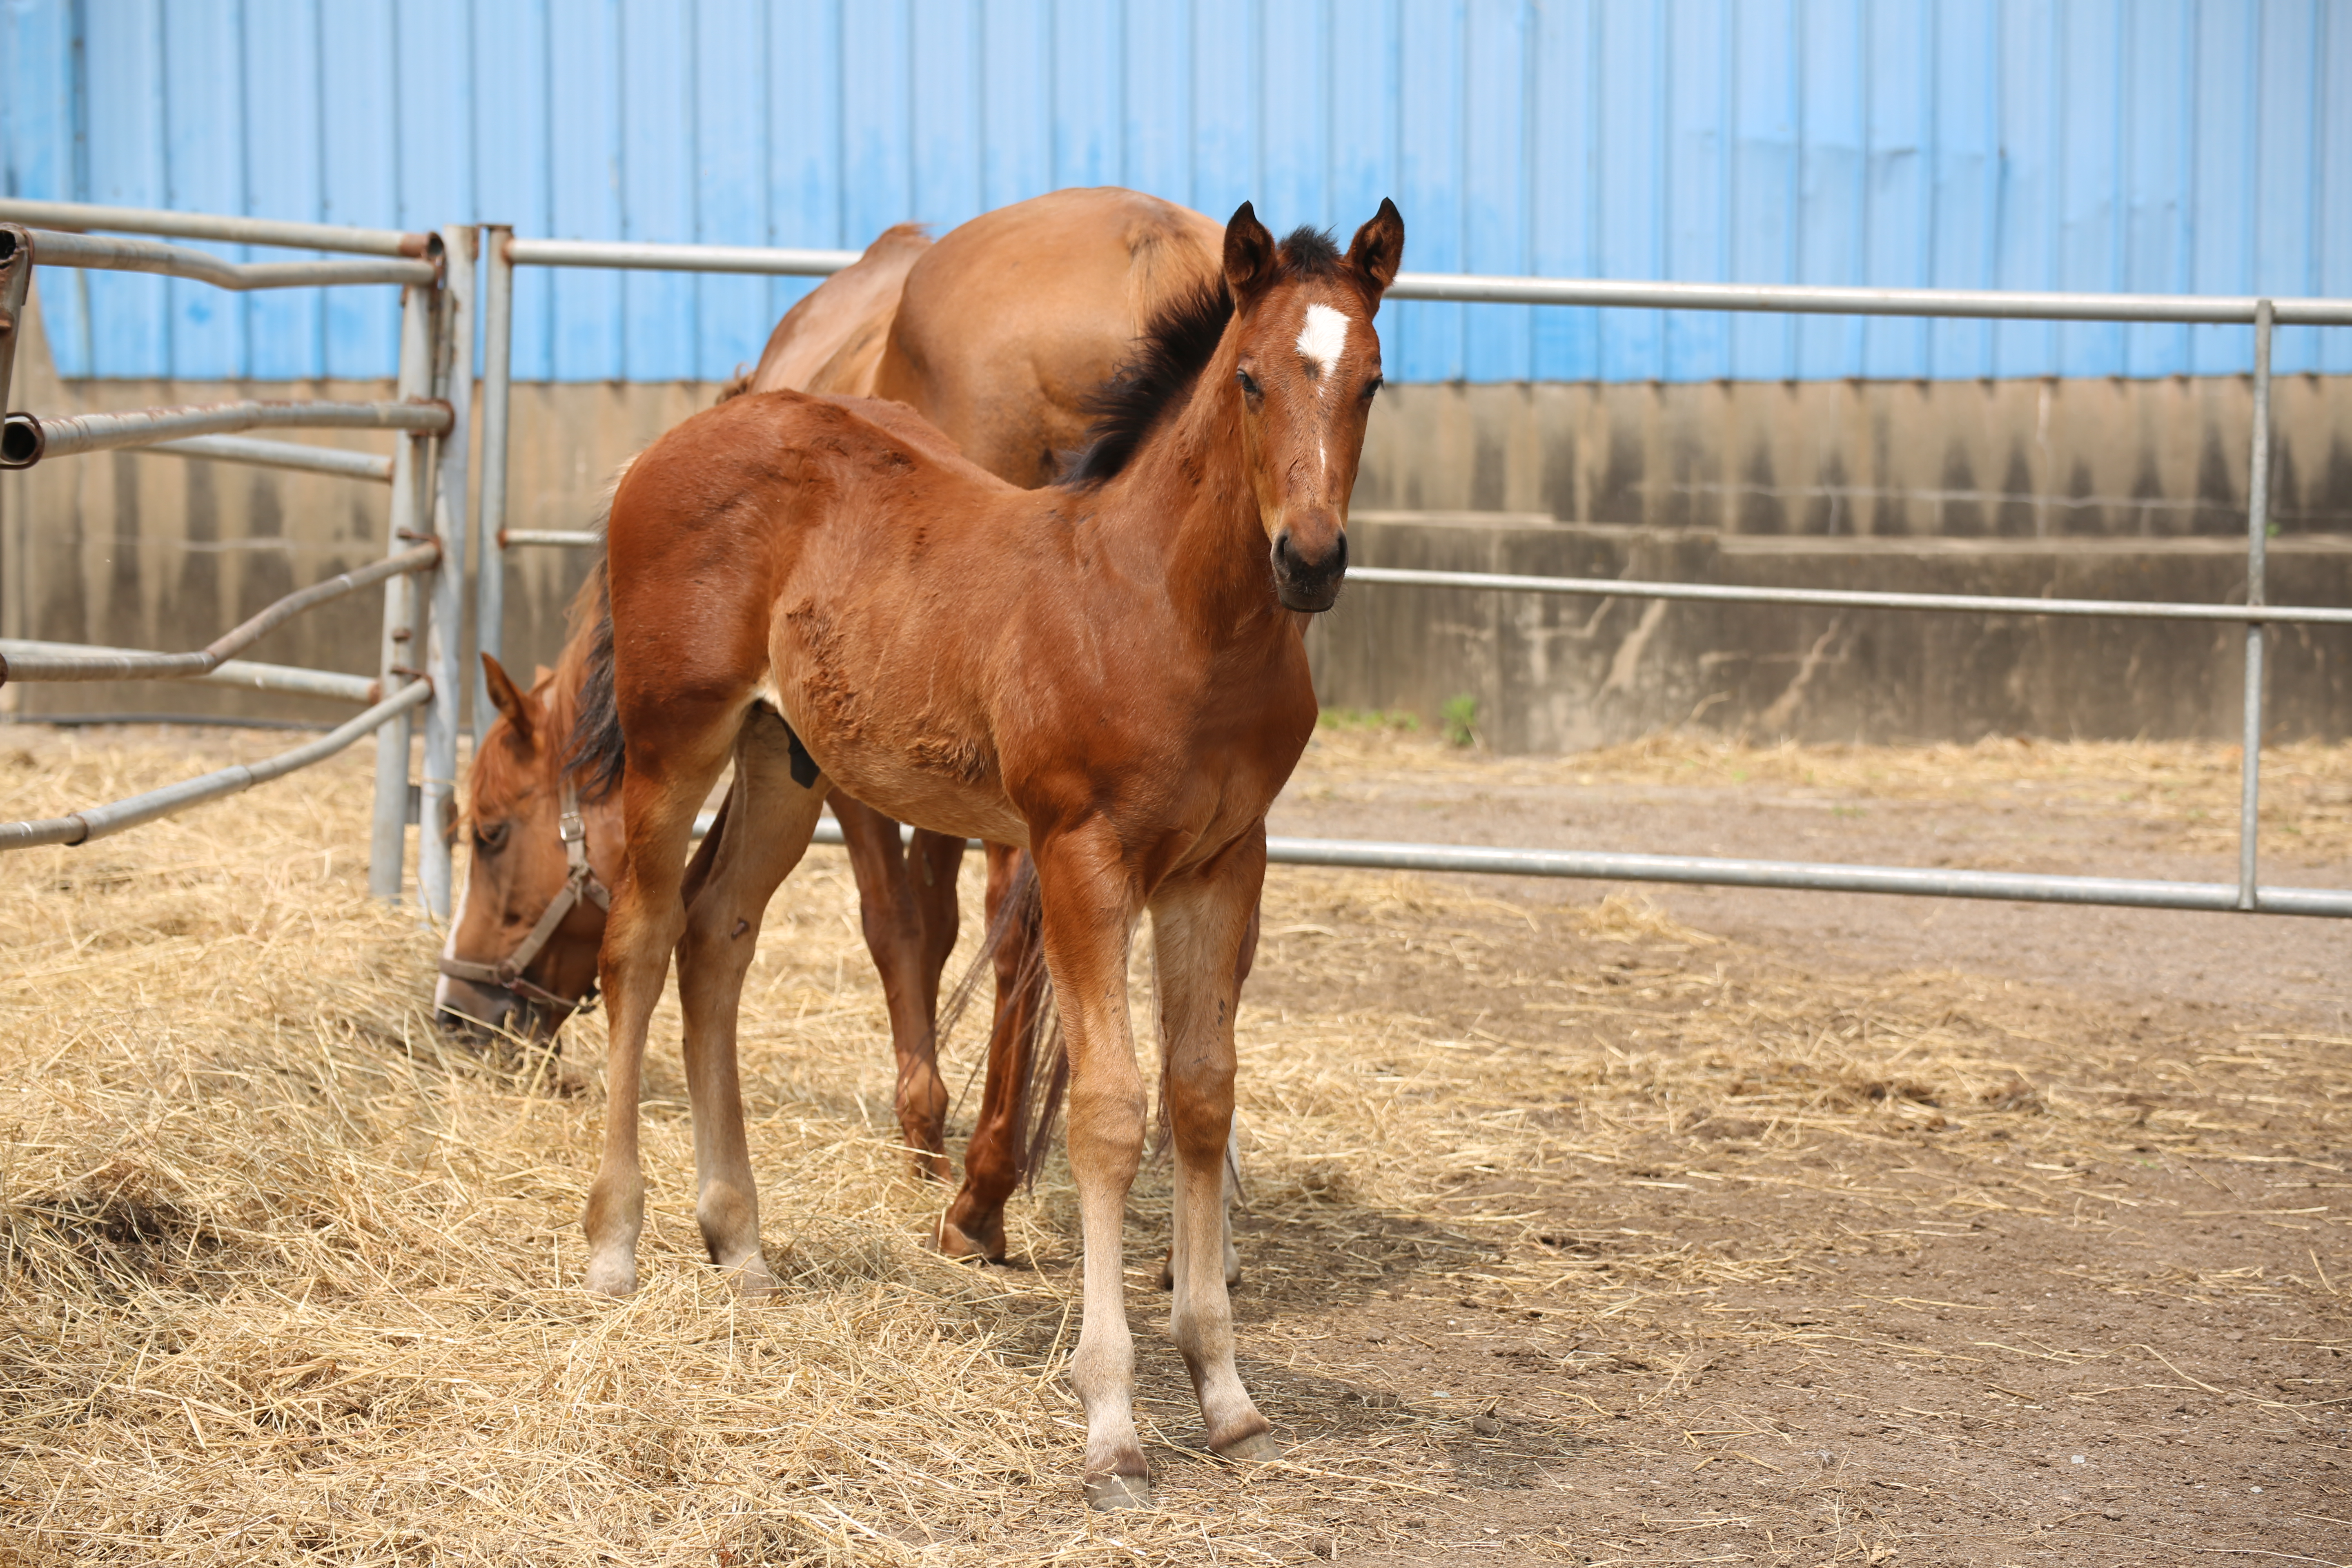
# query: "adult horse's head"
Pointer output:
{"type": "Point", "coordinates": [1307, 365]}
{"type": "Point", "coordinates": [521, 955]}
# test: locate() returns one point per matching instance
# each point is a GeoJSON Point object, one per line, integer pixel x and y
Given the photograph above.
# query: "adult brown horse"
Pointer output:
{"type": "Point", "coordinates": [1006, 372]}
{"type": "Point", "coordinates": [1111, 673]}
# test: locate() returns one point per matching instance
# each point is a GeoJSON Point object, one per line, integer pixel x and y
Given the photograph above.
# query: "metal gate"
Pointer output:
{"type": "Point", "coordinates": [423, 568]}
{"type": "Point", "coordinates": [2246, 894]}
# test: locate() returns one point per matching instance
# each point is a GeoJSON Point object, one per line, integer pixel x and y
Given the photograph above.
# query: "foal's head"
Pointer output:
{"type": "Point", "coordinates": [518, 867]}
{"type": "Point", "coordinates": [1307, 365]}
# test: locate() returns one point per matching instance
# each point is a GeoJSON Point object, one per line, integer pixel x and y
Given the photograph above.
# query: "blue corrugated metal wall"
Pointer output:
{"type": "Point", "coordinates": [2101, 145]}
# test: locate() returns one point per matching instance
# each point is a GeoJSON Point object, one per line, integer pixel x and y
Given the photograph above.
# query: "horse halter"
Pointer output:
{"type": "Point", "coordinates": [581, 882]}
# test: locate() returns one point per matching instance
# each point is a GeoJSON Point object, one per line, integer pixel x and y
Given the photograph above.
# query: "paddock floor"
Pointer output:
{"type": "Point", "coordinates": [1582, 1224]}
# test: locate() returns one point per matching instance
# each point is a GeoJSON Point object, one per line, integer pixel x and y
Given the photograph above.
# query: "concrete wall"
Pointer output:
{"type": "Point", "coordinates": [1552, 673]}
{"type": "Point", "coordinates": [2034, 459]}
{"type": "Point", "coordinates": [2094, 488]}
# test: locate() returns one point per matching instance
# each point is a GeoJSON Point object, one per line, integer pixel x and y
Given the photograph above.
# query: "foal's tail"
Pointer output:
{"type": "Point", "coordinates": [1043, 1053]}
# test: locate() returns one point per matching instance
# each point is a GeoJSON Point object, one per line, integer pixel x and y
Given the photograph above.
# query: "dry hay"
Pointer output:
{"type": "Point", "coordinates": [285, 1279]}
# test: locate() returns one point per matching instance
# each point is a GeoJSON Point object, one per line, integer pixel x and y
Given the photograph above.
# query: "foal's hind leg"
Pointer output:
{"type": "Point", "coordinates": [1200, 923]}
{"type": "Point", "coordinates": [898, 894]}
{"type": "Point", "coordinates": [659, 797]}
{"type": "Point", "coordinates": [763, 834]}
{"type": "Point", "coordinates": [1233, 1139]}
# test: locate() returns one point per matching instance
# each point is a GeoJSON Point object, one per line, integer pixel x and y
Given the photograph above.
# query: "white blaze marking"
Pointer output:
{"type": "Point", "coordinates": [1323, 338]}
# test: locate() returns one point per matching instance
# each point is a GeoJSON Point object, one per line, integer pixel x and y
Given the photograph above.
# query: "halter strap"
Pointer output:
{"type": "Point", "coordinates": [580, 882]}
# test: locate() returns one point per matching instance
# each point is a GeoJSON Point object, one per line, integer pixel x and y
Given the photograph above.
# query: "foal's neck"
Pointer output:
{"type": "Point", "coordinates": [1187, 498]}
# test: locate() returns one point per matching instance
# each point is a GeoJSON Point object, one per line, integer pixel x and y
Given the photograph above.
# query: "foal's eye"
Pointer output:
{"type": "Point", "coordinates": [491, 839]}
{"type": "Point", "coordinates": [1371, 387]}
{"type": "Point", "coordinates": [1249, 386]}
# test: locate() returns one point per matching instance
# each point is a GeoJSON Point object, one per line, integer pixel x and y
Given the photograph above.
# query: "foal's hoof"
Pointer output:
{"type": "Point", "coordinates": [751, 1278]}
{"type": "Point", "coordinates": [1105, 1493]}
{"type": "Point", "coordinates": [1233, 1269]}
{"type": "Point", "coordinates": [1255, 1449]}
{"type": "Point", "coordinates": [612, 1277]}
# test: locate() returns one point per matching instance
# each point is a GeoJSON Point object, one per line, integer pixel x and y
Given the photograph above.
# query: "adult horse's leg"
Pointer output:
{"type": "Point", "coordinates": [995, 1161]}
{"type": "Point", "coordinates": [1088, 917]}
{"type": "Point", "coordinates": [1200, 922]}
{"type": "Point", "coordinates": [660, 793]}
{"type": "Point", "coordinates": [899, 895]}
{"type": "Point", "coordinates": [762, 835]}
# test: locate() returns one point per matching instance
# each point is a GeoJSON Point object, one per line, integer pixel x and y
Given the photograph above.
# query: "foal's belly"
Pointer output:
{"type": "Point", "coordinates": [890, 728]}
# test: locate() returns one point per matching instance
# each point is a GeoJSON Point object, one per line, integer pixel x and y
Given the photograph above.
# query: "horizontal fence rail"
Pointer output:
{"type": "Point", "coordinates": [1475, 289]}
{"type": "Point", "coordinates": [1842, 598]}
{"type": "Point", "coordinates": [219, 226]}
{"type": "Point", "coordinates": [51, 248]}
{"type": "Point", "coordinates": [1799, 299]}
{"type": "Point", "coordinates": [555, 538]}
{"type": "Point", "coordinates": [335, 461]}
{"type": "Point", "coordinates": [243, 673]}
{"type": "Point", "coordinates": [94, 666]}
{"type": "Point", "coordinates": [99, 821]}
{"type": "Point", "coordinates": [26, 438]}
{"type": "Point", "coordinates": [1717, 871]}
{"type": "Point", "coordinates": [635, 257]}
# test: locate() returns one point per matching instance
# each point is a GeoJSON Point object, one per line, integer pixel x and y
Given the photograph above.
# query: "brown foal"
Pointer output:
{"type": "Point", "coordinates": [999, 334]}
{"type": "Point", "coordinates": [1110, 673]}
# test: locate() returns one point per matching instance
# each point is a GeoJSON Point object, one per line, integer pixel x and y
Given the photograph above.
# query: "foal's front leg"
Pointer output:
{"type": "Point", "coordinates": [658, 804]}
{"type": "Point", "coordinates": [763, 834]}
{"type": "Point", "coordinates": [1088, 917]}
{"type": "Point", "coordinates": [1202, 926]}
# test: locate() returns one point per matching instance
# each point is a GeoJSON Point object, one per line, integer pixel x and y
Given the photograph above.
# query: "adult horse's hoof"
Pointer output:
{"type": "Point", "coordinates": [987, 1247]}
{"type": "Point", "coordinates": [1255, 1449]}
{"type": "Point", "coordinates": [1105, 1493]}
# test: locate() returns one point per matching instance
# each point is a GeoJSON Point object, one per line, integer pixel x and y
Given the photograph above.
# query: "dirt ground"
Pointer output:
{"type": "Point", "coordinates": [1582, 1224]}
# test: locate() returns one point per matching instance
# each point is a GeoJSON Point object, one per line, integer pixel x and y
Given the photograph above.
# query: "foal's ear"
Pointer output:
{"type": "Point", "coordinates": [1378, 250]}
{"type": "Point", "coordinates": [510, 701]}
{"type": "Point", "coordinates": [1249, 258]}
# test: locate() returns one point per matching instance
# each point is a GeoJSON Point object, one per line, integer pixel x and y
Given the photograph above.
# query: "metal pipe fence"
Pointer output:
{"type": "Point", "coordinates": [2256, 614]}
{"type": "Point", "coordinates": [430, 505]}
{"type": "Point", "coordinates": [426, 537]}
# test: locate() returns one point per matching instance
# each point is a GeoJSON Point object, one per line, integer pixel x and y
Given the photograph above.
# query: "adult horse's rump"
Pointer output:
{"type": "Point", "coordinates": [1111, 673]}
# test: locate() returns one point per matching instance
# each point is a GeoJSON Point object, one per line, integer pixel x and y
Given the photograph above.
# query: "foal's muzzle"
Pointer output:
{"type": "Point", "coordinates": [1305, 583]}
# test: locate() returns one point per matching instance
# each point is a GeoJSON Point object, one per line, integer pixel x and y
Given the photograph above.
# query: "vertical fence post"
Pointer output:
{"type": "Point", "coordinates": [388, 823]}
{"type": "Point", "coordinates": [490, 512]}
{"type": "Point", "coordinates": [16, 287]}
{"type": "Point", "coordinates": [16, 284]}
{"type": "Point", "coordinates": [2258, 526]}
{"type": "Point", "coordinates": [445, 644]}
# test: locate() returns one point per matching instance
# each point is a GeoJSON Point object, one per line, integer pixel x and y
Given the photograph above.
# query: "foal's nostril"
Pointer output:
{"type": "Point", "coordinates": [1284, 556]}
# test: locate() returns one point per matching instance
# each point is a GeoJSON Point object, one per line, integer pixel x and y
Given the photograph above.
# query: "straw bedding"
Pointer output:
{"type": "Point", "coordinates": [284, 1278]}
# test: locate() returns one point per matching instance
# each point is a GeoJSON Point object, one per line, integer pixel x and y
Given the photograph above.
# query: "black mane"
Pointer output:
{"type": "Point", "coordinates": [1168, 358]}
{"type": "Point", "coordinates": [1167, 361]}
